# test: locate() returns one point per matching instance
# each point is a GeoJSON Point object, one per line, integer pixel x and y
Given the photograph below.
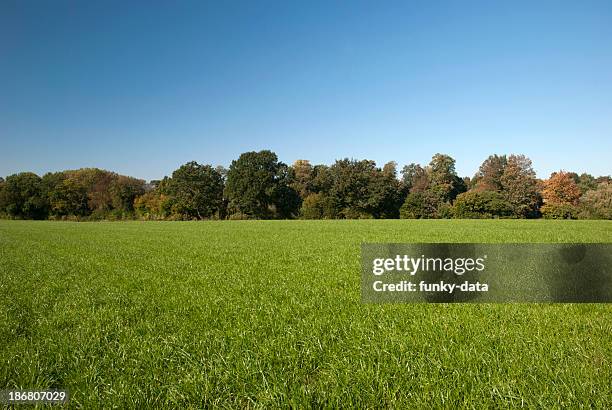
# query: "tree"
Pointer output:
{"type": "Point", "coordinates": [322, 179]}
{"type": "Point", "coordinates": [560, 188]}
{"type": "Point", "coordinates": [414, 178]}
{"type": "Point", "coordinates": [420, 205]}
{"type": "Point", "coordinates": [90, 192]}
{"type": "Point", "coordinates": [443, 179]}
{"type": "Point", "coordinates": [350, 188]}
{"type": "Point", "coordinates": [481, 204]}
{"type": "Point", "coordinates": [358, 189]}
{"type": "Point", "coordinates": [585, 182]}
{"type": "Point", "coordinates": [302, 177]}
{"type": "Point", "coordinates": [489, 175]}
{"type": "Point", "coordinates": [123, 190]}
{"type": "Point", "coordinates": [313, 207]}
{"type": "Point", "coordinates": [22, 196]}
{"type": "Point", "coordinates": [196, 190]}
{"type": "Point", "coordinates": [256, 181]}
{"type": "Point", "coordinates": [597, 203]}
{"type": "Point", "coordinates": [69, 198]}
{"type": "Point", "coordinates": [100, 191]}
{"type": "Point", "coordinates": [286, 201]}
{"type": "Point", "coordinates": [153, 205]}
{"type": "Point", "coordinates": [520, 186]}
{"type": "Point", "coordinates": [385, 194]}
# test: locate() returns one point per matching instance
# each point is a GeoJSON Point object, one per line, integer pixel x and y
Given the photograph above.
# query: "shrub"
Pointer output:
{"type": "Point", "coordinates": [352, 213]}
{"type": "Point", "coordinates": [444, 211]}
{"type": "Point", "coordinates": [153, 206]}
{"type": "Point", "coordinates": [481, 205]}
{"type": "Point", "coordinates": [559, 211]}
{"type": "Point", "coordinates": [420, 205]}
{"type": "Point", "coordinates": [312, 207]}
{"type": "Point", "coordinates": [238, 216]}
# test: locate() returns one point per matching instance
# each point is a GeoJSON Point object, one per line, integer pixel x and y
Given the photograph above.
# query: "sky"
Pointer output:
{"type": "Point", "coordinates": [140, 88]}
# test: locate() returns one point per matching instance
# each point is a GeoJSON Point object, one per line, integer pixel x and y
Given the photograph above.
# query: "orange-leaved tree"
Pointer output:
{"type": "Point", "coordinates": [561, 188]}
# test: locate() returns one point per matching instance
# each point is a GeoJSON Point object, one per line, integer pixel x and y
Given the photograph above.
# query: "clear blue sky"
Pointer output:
{"type": "Point", "coordinates": [142, 87]}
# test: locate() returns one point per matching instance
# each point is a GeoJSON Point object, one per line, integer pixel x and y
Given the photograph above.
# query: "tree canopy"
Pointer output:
{"type": "Point", "coordinates": [259, 186]}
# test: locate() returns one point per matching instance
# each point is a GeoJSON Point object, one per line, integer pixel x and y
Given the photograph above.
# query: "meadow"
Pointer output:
{"type": "Point", "coordinates": [268, 314]}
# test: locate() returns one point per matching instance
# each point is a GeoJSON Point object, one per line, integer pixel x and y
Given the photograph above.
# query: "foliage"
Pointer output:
{"type": "Point", "coordinates": [22, 196]}
{"type": "Point", "coordinates": [431, 189]}
{"type": "Point", "coordinates": [68, 197]}
{"type": "Point", "coordinates": [153, 205]}
{"type": "Point", "coordinates": [481, 205]}
{"type": "Point", "coordinates": [302, 174]}
{"type": "Point", "coordinates": [256, 183]}
{"type": "Point", "coordinates": [489, 175]}
{"type": "Point", "coordinates": [585, 182]}
{"type": "Point", "coordinates": [196, 191]}
{"type": "Point", "coordinates": [124, 190]}
{"type": "Point", "coordinates": [420, 205]}
{"type": "Point", "coordinates": [414, 178]}
{"type": "Point", "coordinates": [597, 203]}
{"type": "Point", "coordinates": [313, 207]}
{"type": "Point", "coordinates": [258, 186]}
{"type": "Point", "coordinates": [443, 180]}
{"type": "Point", "coordinates": [385, 193]}
{"type": "Point", "coordinates": [559, 210]}
{"type": "Point", "coordinates": [561, 188]}
{"type": "Point", "coordinates": [520, 186]}
{"type": "Point", "coordinates": [352, 189]}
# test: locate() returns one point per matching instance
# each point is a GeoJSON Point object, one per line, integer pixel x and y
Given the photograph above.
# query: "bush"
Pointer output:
{"type": "Point", "coordinates": [559, 211]}
{"type": "Point", "coordinates": [481, 205]}
{"type": "Point", "coordinates": [352, 213]}
{"type": "Point", "coordinates": [312, 207]}
{"type": "Point", "coordinates": [153, 206]}
{"type": "Point", "coordinates": [238, 216]}
{"type": "Point", "coordinates": [420, 205]}
{"type": "Point", "coordinates": [444, 211]}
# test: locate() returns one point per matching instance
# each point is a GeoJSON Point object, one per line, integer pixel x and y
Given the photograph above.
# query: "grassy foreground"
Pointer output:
{"type": "Point", "coordinates": [268, 313]}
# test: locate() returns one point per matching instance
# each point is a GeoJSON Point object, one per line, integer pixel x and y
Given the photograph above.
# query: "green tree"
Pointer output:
{"type": "Point", "coordinates": [586, 182]}
{"type": "Point", "coordinates": [481, 204]}
{"type": "Point", "coordinates": [443, 179]}
{"type": "Point", "coordinates": [196, 190]}
{"type": "Point", "coordinates": [558, 210]}
{"type": "Point", "coordinates": [153, 205]}
{"type": "Point", "coordinates": [520, 186]}
{"type": "Point", "coordinates": [68, 197]}
{"type": "Point", "coordinates": [123, 190]}
{"type": "Point", "coordinates": [489, 175]}
{"type": "Point", "coordinates": [286, 201]}
{"type": "Point", "coordinates": [302, 173]}
{"type": "Point", "coordinates": [313, 207]}
{"type": "Point", "coordinates": [351, 188]}
{"type": "Point", "coordinates": [420, 205]}
{"type": "Point", "coordinates": [22, 196]}
{"type": "Point", "coordinates": [257, 183]}
{"type": "Point", "coordinates": [385, 193]}
{"type": "Point", "coordinates": [322, 179]}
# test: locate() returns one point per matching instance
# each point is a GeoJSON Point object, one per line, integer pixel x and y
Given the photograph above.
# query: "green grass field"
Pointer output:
{"type": "Point", "coordinates": [268, 313]}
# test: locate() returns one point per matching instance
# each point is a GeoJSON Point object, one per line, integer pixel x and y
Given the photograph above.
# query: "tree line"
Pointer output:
{"type": "Point", "coordinates": [258, 186]}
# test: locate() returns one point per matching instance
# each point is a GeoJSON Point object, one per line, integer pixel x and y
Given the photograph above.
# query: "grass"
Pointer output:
{"type": "Point", "coordinates": [268, 314]}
